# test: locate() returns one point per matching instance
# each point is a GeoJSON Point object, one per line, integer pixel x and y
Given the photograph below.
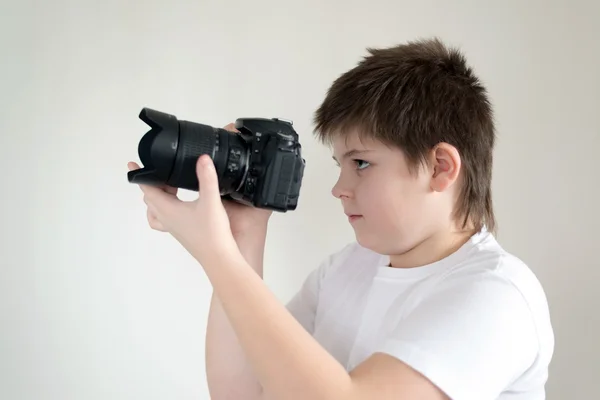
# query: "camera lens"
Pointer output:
{"type": "Point", "coordinates": [170, 150]}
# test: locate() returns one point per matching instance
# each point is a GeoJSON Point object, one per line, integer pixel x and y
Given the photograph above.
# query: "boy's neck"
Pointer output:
{"type": "Point", "coordinates": [434, 248]}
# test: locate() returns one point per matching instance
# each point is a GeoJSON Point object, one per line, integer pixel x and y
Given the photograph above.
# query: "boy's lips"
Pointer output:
{"type": "Point", "coordinates": [353, 217]}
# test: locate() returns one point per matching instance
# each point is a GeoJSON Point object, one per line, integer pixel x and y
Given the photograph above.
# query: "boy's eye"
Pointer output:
{"type": "Point", "coordinates": [361, 164]}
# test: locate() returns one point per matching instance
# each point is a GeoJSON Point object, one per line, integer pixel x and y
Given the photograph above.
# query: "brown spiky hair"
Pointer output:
{"type": "Point", "coordinates": [414, 96]}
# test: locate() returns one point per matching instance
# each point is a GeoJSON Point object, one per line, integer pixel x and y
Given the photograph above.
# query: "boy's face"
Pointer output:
{"type": "Point", "coordinates": [390, 209]}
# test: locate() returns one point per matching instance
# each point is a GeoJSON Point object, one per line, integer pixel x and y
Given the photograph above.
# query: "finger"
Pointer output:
{"type": "Point", "coordinates": [207, 179]}
{"type": "Point", "coordinates": [230, 127]}
{"type": "Point", "coordinates": [155, 223]}
{"type": "Point", "coordinates": [157, 226]}
{"type": "Point", "coordinates": [150, 215]}
{"type": "Point", "coordinates": [157, 190]}
{"type": "Point", "coordinates": [159, 201]}
{"type": "Point", "coordinates": [169, 189]}
{"type": "Point", "coordinates": [157, 198]}
{"type": "Point", "coordinates": [132, 166]}
{"type": "Point", "coordinates": [152, 211]}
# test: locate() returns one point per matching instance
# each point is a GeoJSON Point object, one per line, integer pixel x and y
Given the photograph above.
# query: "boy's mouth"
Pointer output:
{"type": "Point", "coordinates": [353, 217]}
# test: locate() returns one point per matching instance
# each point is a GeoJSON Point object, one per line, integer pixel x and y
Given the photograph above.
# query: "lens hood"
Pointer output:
{"type": "Point", "coordinates": [157, 149]}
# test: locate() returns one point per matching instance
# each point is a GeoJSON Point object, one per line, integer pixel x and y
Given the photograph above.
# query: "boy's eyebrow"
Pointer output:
{"type": "Point", "coordinates": [352, 153]}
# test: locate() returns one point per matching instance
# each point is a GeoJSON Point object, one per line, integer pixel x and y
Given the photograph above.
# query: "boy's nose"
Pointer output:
{"type": "Point", "coordinates": [338, 191]}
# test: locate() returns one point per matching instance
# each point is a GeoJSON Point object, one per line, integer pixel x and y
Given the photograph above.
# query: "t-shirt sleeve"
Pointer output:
{"type": "Point", "coordinates": [303, 305]}
{"type": "Point", "coordinates": [471, 337]}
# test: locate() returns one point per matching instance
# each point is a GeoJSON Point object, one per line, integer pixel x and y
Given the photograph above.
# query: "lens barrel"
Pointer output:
{"type": "Point", "coordinates": [170, 150]}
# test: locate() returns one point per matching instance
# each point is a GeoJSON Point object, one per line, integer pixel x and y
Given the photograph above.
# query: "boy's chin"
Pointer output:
{"type": "Point", "coordinates": [378, 243]}
{"type": "Point", "coordinates": [368, 241]}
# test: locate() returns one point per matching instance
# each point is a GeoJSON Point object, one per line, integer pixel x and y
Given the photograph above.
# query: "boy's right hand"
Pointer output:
{"type": "Point", "coordinates": [244, 221]}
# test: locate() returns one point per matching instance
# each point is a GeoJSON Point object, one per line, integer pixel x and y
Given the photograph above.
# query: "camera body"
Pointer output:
{"type": "Point", "coordinates": [261, 165]}
{"type": "Point", "coordinates": [275, 166]}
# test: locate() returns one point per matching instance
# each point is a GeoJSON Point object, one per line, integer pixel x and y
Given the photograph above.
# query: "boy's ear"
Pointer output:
{"type": "Point", "coordinates": [445, 166]}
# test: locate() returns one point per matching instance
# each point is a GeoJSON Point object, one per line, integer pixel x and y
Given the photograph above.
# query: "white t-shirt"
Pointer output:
{"type": "Point", "coordinates": [475, 323]}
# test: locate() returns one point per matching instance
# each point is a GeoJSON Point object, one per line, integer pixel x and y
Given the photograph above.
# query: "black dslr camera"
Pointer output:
{"type": "Point", "coordinates": [261, 166]}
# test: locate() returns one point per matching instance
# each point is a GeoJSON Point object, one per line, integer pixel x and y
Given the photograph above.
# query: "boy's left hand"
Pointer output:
{"type": "Point", "coordinates": [202, 225]}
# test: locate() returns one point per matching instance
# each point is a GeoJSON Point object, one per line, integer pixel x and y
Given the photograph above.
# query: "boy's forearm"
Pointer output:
{"type": "Point", "coordinates": [229, 373]}
{"type": "Point", "coordinates": [287, 361]}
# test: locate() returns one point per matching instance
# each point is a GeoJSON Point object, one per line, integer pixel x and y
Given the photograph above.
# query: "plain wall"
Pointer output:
{"type": "Point", "coordinates": [95, 305]}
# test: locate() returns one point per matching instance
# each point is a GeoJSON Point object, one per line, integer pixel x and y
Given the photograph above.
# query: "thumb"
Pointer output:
{"type": "Point", "coordinates": [208, 182]}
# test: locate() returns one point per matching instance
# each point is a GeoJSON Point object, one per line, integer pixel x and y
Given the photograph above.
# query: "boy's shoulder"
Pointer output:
{"type": "Point", "coordinates": [480, 262]}
{"type": "Point", "coordinates": [486, 260]}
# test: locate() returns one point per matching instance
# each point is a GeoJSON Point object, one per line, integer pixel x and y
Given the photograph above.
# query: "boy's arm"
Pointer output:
{"type": "Point", "coordinates": [229, 374]}
{"type": "Point", "coordinates": [290, 364]}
